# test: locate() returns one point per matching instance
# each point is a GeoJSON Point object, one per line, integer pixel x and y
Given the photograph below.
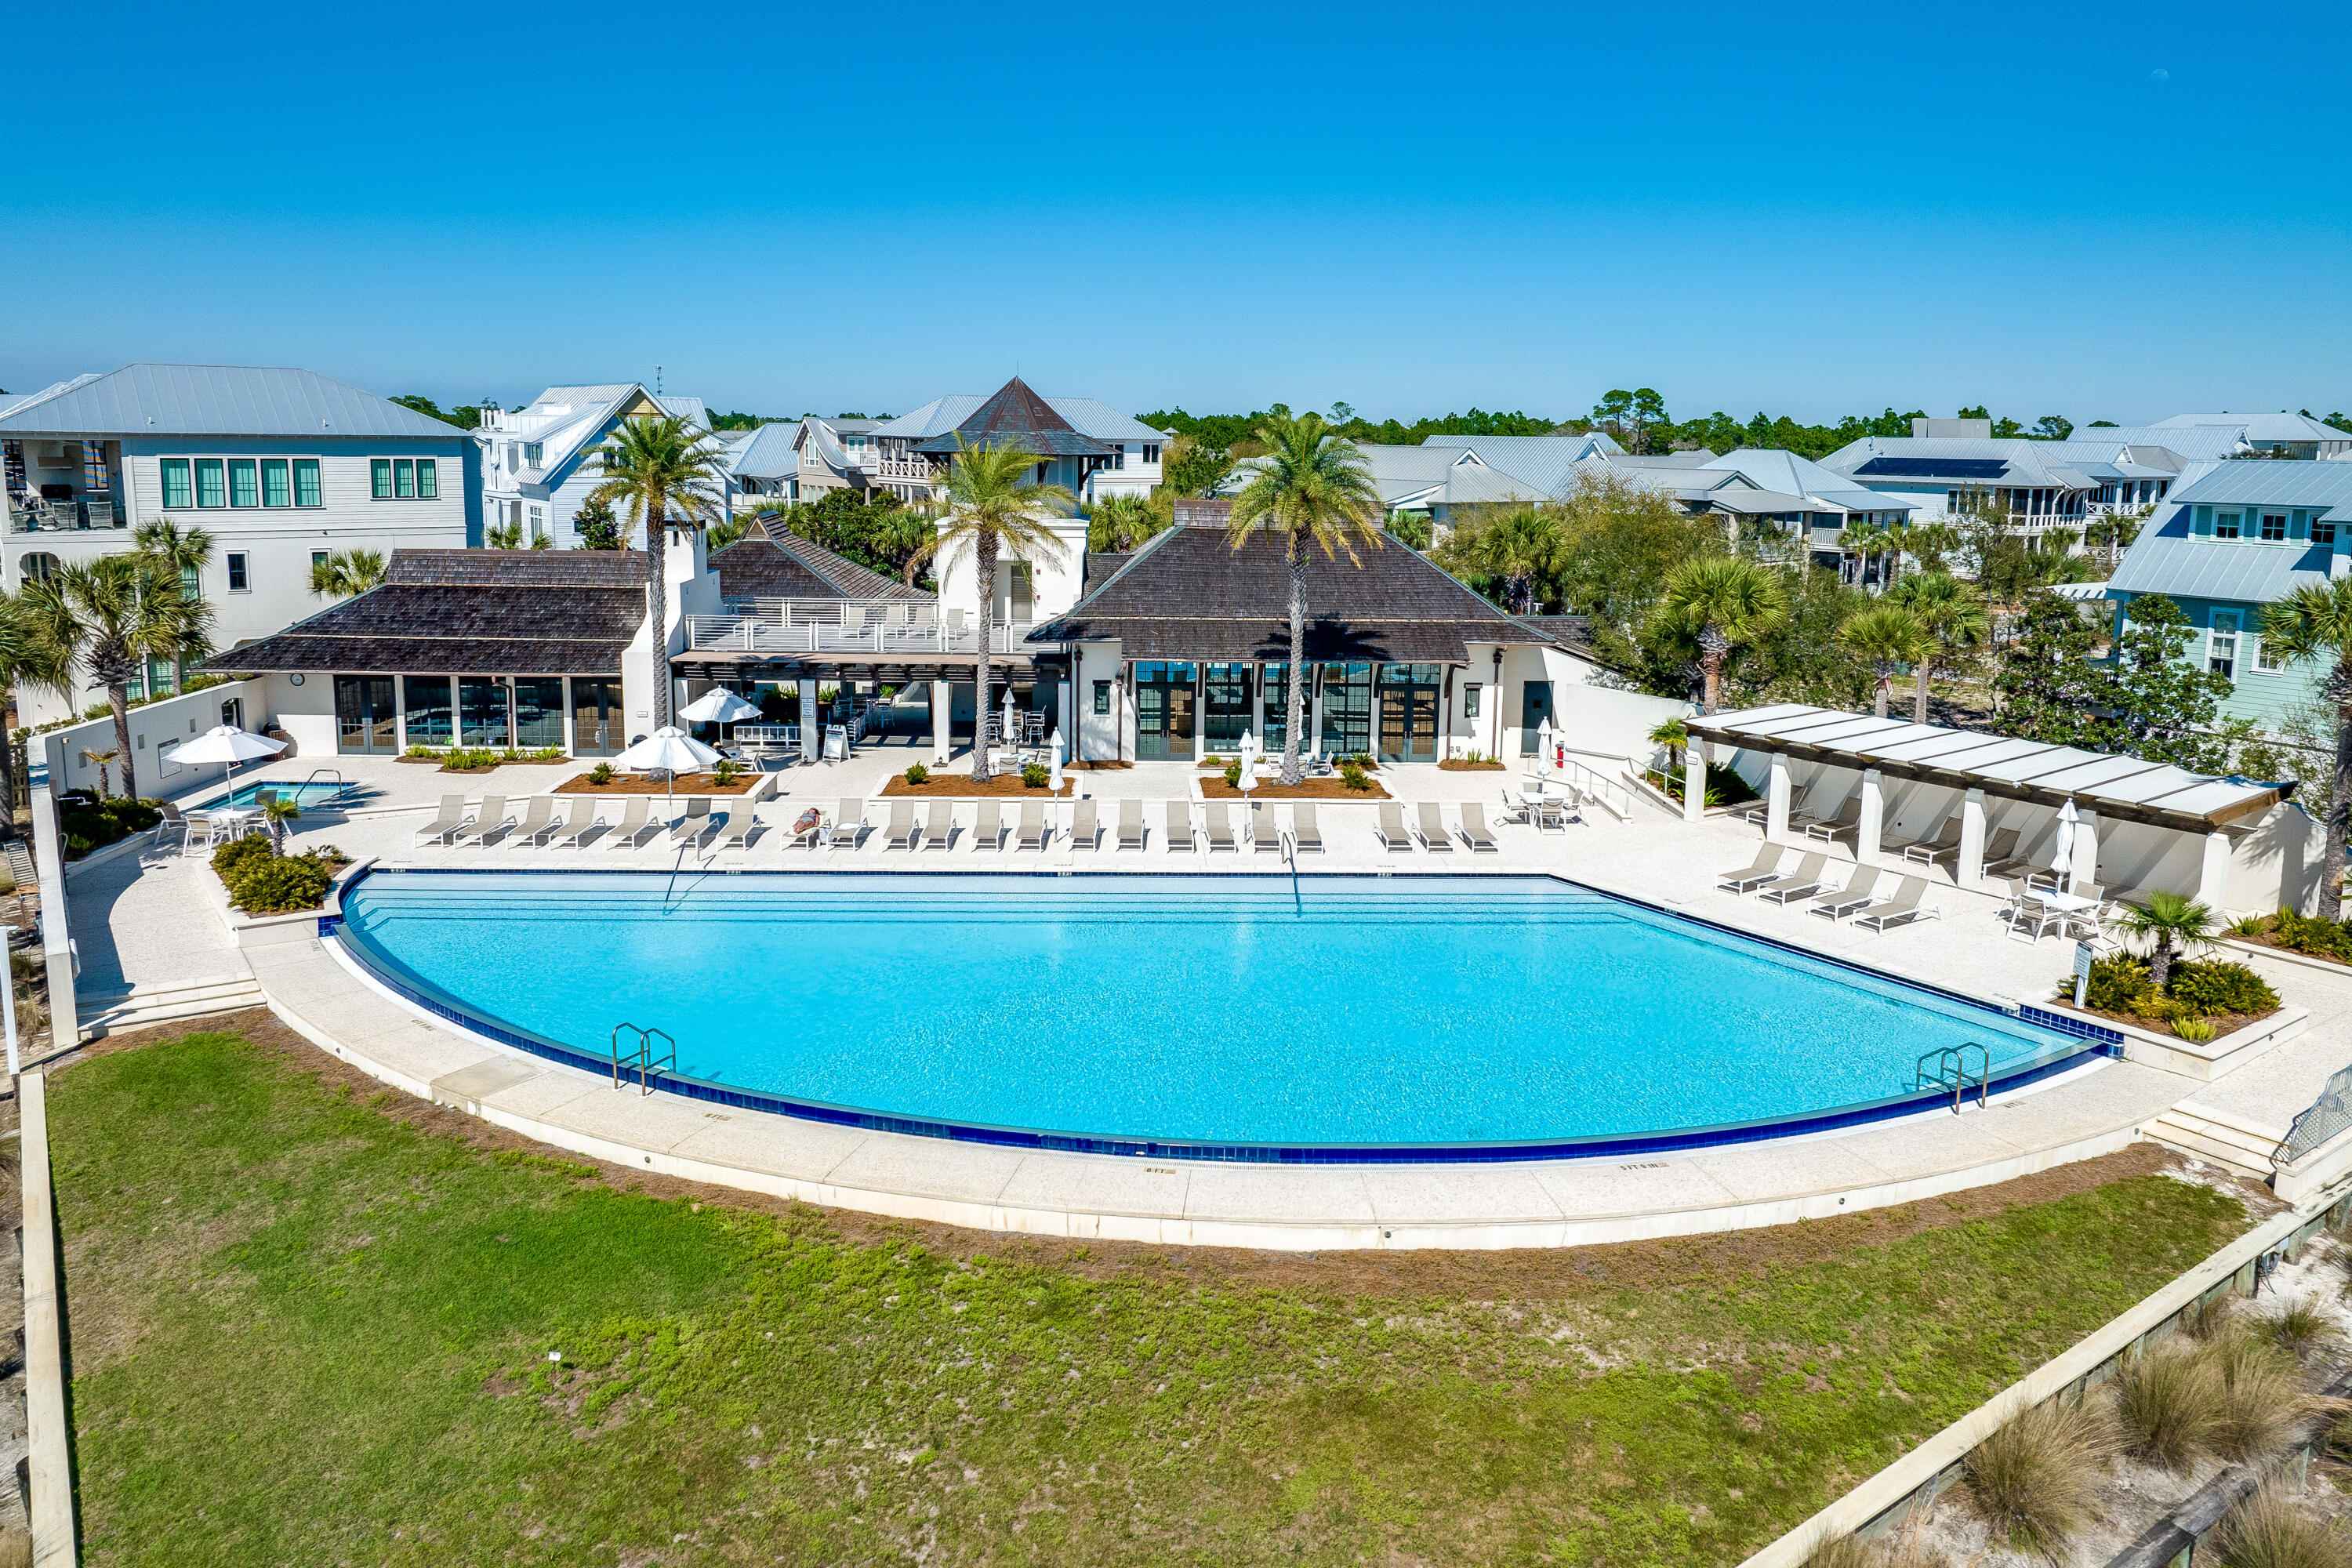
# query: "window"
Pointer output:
{"type": "Point", "coordinates": [306, 482]}
{"type": "Point", "coordinates": [426, 700]}
{"type": "Point", "coordinates": [2225, 525]}
{"type": "Point", "coordinates": [1150, 454]}
{"type": "Point", "coordinates": [2266, 662]}
{"type": "Point", "coordinates": [191, 584]}
{"type": "Point", "coordinates": [2274, 527]}
{"type": "Point", "coordinates": [318, 558]}
{"type": "Point", "coordinates": [380, 478]}
{"type": "Point", "coordinates": [1102, 696]}
{"type": "Point", "coordinates": [1470, 701]}
{"type": "Point", "coordinates": [531, 451]}
{"type": "Point", "coordinates": [538, 515]}
{"type": "Point", "coordinates": [404, 478]}
{"type": "Point", "coordinates": [238, 580]}
{"type": "Point", "coordinates": [37, 567]}
{"type": "Point", "coordinates": [429, 479]}
{"type": "Point", "coordinates": [2221, 644]}
{"type": "Point", "coordinates": [276, 488]}
{"type": "Point", "coordinates": [243, 482]}
{"type": "Point", "coordinates": [212, 488]}
{"type": "Point", "coordinates": [2323, 531]}
{"type": "Point", "coordinates": [1118, 455]}
{"type": "Point", "coordinates": [176, 490]}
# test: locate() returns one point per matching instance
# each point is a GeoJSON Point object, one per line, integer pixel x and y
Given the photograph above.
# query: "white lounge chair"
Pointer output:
{"type": "Point", "coordinates": [1180, 825]}
{"type": "Point", "coordinates": [735, 833]}
{"type": "Point", "coordinates": [494, 818]}
{"type": "Point", "coordinates": [1474, 827]}
{"type": "Point", "coordinates": [1766, 866]}
{"type": "Point", "coordinates": [1430, 827]}
{"type": "Point", "coordinates": [1084, 832]}
{"type": "Point", "coordinates": [940, 826]}
{"type": "Point", "coordinates": [900, 834]}
{"type": "Point", "coordinates": [848, 824]}
{"type": "Point", "coordinates": [1806, 878]}
{"type": "Point", "coordinates": [1130, 825]}
{"type": "Point", "coordinates": [1304, 836]}
{"type": "Point", "coordinates": [1860, 892]}
{"type": "Point", "coordinates": [1217, 829]}
{"type": "Point", "coordinates": [635, 825]}
{"type": "Point", "coordinates": [1390, 829]}
{"type": "Point", "coordinates": [1033, 831]}
{"type": "Point", "coordinates": [539, 822]}
{"type": "Point", "coordinates": [1264, 837]}
{"type": "Point", "coordinates": [574, 834]}
{"type": "Point", "coordinates": [453, 820]}
{"type": "Point", "coordinates": [988, 825]}
{"type": "Point", "coordinates": [1904, 906]}
{"type": "Point", "coordinates": [696, 825]}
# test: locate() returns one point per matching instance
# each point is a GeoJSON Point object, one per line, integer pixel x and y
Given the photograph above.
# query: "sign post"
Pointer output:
{"type": "Point", "coordinates": [2082, 972]}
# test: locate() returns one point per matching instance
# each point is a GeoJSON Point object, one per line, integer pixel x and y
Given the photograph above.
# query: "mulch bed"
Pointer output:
{"type": "Point", "coordinates": [1094, 767]}
{"type": "Point", "coordinates": [1214, 788]}
{"type": "Point", "coordinates": [1452, 766]}
{"type": "Point", "coordinates": [640, 783]}
{"type": "Point", "coordinates": [2265, 940]}
{"type": "Point", "coordinates": [962, 785]}
{"type": "Point", "coordinates": [2224, 1024]}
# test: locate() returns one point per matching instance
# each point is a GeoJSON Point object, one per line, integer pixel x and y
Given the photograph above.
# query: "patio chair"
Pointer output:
{"type": "Point", "coordinates": [584, 821]}
{"type": "Point", "coordinates": [736, 834]}
{"type": "Point", "coordinates": [1264, 837]}
{"type": "Point", "coordinates": [454, 819]}
{"type": "Point", "coordinates": [539, 822]}
{"type": "Point", "coordinates": [939, 827]}
{"type": "Point", "coordinates": [172, 821]}
{"type": "Point", "coordinates": [1805, 879]}
{"type": "Point", "coordinates": [1762, 870]}
{"type": "Point", "coordinates": [1474, 827]}
{"type": "Point", "coordinates": [1811, 806]}
{"type": "Point", "coordinates": [807, 827]}
{"type": "Point", "coordinates": [988, 825]}
{"type": "Point", "coordinates": [1929, 851]}
{"type": "Point", "coordinates": [1083, 833]}
{"type": "Point", "coordinates": [494, 818]}
{"type": "Point", "coordinates": [900, 834]}
{"type": "Point", "coordinates": [2001, 851]}
{"type": "Point", "coordinates": [1860, 892]}
{"type": "Point", "coordinates": [847, 826]}
{"type": "Point", "coordinates": [1431, 827]}
{"type": "Point", "coordinates": [695, 824]}
{"type": "Point", "coordinates": [1905, 907]}
{"type": "Point", "coordinates": [1304, 833]}
{"type": "Point", "coordinates": [1217, 829]}
{"type": "Point", "coordinates": [1517, 807]}
{"type": "Point", "coordinates": [1179, 827]}
{"type": "Point", "coordinates": [1390, 829]}
{"type": "Point", "coordinates": [1847, 820]}
{"type": "Point", "coordinates": [635, 825]}
{"type": "Point", "coordinates": [1130, 825]}
{"type": "Point", "coordinates": [1033, 831]}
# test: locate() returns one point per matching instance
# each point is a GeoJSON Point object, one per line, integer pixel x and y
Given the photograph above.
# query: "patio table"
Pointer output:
{"type": "Point", "coordinates": [2054, 907]}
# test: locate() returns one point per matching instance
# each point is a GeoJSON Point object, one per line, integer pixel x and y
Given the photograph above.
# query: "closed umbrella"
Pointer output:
{"type": "Point", "coordinates": [1009, 733]}
{"type": "Point", "coordinates": [1248, 780]}
{"type": "Point", "coordinates": [1543, 747]}
{"type": "Point", "coordinates": [227, 743]}
{"type": "Point", "coordinates": [670, 750]}
{"type": "Point", "coordinates": [1054, 783]}
{"type": "Point", "coordinates": [2062, 860]}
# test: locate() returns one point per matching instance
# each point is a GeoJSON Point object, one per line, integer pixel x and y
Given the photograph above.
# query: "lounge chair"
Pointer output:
{"type": "Point", "coordinates": [1928, 851]}
{"type": "Point", "coordinates": [1264, 837]}
{"type": "Point", "coordinates": [1033, 831]}
{"type": "Point", "coordinates": [454, 819]}
{"type": "Point", "coordinates": [2001, 851]}
{"type": "Point", "coordinates": [736, 831]}
{"type": "Point", "coordinates": [1130, 825]}
{"type": "Point", "coordinates": [695, 824]}
{"type": "Point", "coordinates": [574, 834]}
{"type": "Point", "coordinates": [1847, 820]}
{"type": "Point", "coordinates": [988, 825]}
{"type": "Point", "coordinates": [940, 826]}
{"type": "Point", "coordinates": [1180, 825]}
{"type": "Point", "coordinates": [808, 827]}
{"type": "Point", "coordinates": [1805, 879]}
{"type": "Point", "coordinates": [1766, 866]}
{"type": "Point", "coordinates": [1904, 906]}
{"type": "Point", "coordinates": [1809, 810]}
{"type": "Point", "coordinates": [635, 825]}
{"type": "Point", "coordinates": [1860, 892]}
{"type": "Point", "coordinates": [1474, 827]}
{"type": "Point", "coordinates": [847, 826]}
{"type": "Point", "coordinates": [900, 834]}
{"type": "Point", "coordinates": [539, 823]}
{"type": "Point", "coordinates": [1390, 828]}
{"type": "Point", "coordinates": [1304, 833]}
{"type": "Point", "coordinates": [1217, 829]}
{"type": "Point", "coordinates": [494, 818]}
{"type": "Point", "coordinates": [1083, 833]}
{"type": "Point", "coordinates": [1431, 828]}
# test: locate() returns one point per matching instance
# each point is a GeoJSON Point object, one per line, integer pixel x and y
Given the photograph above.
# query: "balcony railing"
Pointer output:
{"type": "Point", "coordinates": [64, 517]}
{"type": "Point", "coordinates": [882, 626]}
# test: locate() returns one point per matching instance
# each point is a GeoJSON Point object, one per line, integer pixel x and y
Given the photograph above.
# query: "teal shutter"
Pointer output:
{"type": "Point", "coordinates": [2298, 525]}
{"type": "Point", "coordinates": [2201, 522]}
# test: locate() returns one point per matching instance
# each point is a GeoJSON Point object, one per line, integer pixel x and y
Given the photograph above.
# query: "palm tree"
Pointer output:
{"type": "Point", "coordinates": [1116, 524]}
{"type": "Point", "coordinates": [347, 573]}
{"type": "Point", "coordinates": [1674, 736]}
{"type": "Point", "coordinates": [2315, 622]}
{"type": "Point", "coordinates": [1887, 634]}
{"type": "Point", "coordinates": [1519, 547]}
{"type": "Point", "coordinates": [25, 659]}
{"type": "Point", "coordinates": [1310, 486]}
{"type": "Point", "coordinates": [502, 536]}
{"type": "Point", "coordinates": [188, 554]}
{"type": "Point", "coordinates": [667, 474]}
{"type": "Point", "coordinates": [277, 812]}
{"type": "Point", "coordinates": [1864, 540]}
{"type": "Point", "coordinates": [110, 617]}
{"type": "Point", "coordinates": [913, 533]}
{"type": "Point", "coordinates": [2163, 919]}
{"type": "Point", "coordinates": [104, 759]}
{"type": "Point", "coordinates": [1723, 601]}
{"type": "Point", "coordinates": [1954, 613]}
{"type": "Point", "coordinates": [994, 508]}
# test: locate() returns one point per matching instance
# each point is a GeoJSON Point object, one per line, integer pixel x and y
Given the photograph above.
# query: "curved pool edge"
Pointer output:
{"type": "Point", "coordinates": [2090, 1112]}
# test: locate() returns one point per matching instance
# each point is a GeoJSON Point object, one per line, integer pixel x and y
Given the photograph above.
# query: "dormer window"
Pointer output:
{"type": "Point", "coordinates": [531, 451]}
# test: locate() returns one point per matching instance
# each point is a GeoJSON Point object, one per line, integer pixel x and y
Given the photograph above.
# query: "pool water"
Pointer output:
{"type": "Point", "coordinates": [1215, 1010]}
{"type": "Point", "coordinates": [310, 792]}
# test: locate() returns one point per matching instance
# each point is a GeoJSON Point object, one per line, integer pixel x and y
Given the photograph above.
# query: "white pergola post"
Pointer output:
{"type": "Point", "coordinates": [1874, 818]}
{"type": "Point", "coordinates": [942, 715]}
{"type": "Point", "coordinates": [811, 724]}
{"type": "Point", "coordinates": [2086, 868]}
{"type": "Point", "coordinates": [1694, 781]}
{"type": "Point", "coordinates": [1972, 839]}
{"type": "Point", "coordinates": [1775, 801]}
{"type": "Point", "coordinates": [2213, 876]}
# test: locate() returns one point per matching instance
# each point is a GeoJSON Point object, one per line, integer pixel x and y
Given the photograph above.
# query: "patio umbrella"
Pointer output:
{"type": "Point", "coordinates": [227, 743]}
{"type": "Point", "coordinates": [1248, 780]}
{"type": "Point", "coordinates": [719, 706]}
{"type": "Point", "coordinates": [1054, 783]}
{"type": "Point", "coordinates": [668, 749]}
{"type": "Point", "coordinates": [2062, 859]}
{"type": "Point", "coordinates": [1543, 747]}
{"type": "Point", "coordinates": [1008, 733]}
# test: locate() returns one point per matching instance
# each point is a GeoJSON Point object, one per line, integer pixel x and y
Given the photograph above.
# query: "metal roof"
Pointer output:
{"type": "Point", "coordinates": [2112, 783]}
{"type": "Point", "coordinates": [1085, 415]}
{"type": "Point", "coordinates": [2168, 559]}
{"type": "Point", "coordinates": [2265, 481]}
{"type": "Point", "coordinates": [768, 453]}
{"type": "Point", "coordinates": [2279, 426]}
{"type": "Point", "coordinates": [1547, 462]}
{"type": "Point", "coordinates": [1772, 469]}
{"type": "Point", "coordinates": [147, 399]}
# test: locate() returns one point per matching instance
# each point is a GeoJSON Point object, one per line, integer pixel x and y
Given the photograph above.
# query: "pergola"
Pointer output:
{"type": "Point", "coordinates": [1987, 768]}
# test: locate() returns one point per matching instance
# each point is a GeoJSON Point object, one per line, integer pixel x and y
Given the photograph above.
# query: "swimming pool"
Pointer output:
{"type": "Point", "coordinates": [309, 791]}
{"type": "Point", "coordinates": [1241, 1017]}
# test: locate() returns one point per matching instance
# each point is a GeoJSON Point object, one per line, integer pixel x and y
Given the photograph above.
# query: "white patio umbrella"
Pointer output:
{"type": "Point", "coordinates": [1248, 780]}
{"type": "Point", "coordinates": [1008, 733]}
{"type": "Point", "coordinates": [2063, 858]}
{"type": "Point", "coordinates": [1053, 781]}
{"type": "Point", "coordinates": [669, 749]}
{"type": "Point", "coordinates": [227, 743]}
{"type": "Point", "coordinates": [1543, 747]}
{"type": "Point", "coordinates": [719, 706]}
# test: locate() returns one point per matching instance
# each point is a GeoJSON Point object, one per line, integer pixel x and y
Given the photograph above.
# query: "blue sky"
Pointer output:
{"type": "Point", "coordinates": [2099, 210]}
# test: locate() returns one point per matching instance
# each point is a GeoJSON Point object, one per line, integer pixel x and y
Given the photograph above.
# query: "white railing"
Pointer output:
{"type": "Point", "coordinates": [1614, 794]}
{"type": "Point", "coordinates": [848, 625]}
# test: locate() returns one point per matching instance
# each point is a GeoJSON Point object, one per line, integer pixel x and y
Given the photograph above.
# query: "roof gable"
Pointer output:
{"type": "Point", "coordinates": [149, 399]}
{"type": "Point", "coordinates": [1014, 419]}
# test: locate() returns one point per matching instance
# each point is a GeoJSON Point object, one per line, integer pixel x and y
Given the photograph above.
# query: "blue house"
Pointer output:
{"type": "Point", "coordinates": [2231, 538]}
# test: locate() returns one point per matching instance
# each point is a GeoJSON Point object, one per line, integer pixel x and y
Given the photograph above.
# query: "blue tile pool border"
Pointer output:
{"type": "Point", "coordinates": [2097, 1041]}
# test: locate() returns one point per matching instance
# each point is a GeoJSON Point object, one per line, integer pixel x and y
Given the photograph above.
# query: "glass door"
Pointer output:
{"type": "Point", "coordinates": [599, 728]}
{"type": "Point", "coordinates": [1347, 710]}
{"type": "Point", "coordinates": [365, 721]}
{"type": "Point", "coordinates": [482, 716]}
{"type": "Point", "coordinates": [1226, 706]}
{"type": "Point", "coordinates": [538, 712]}
{"type": "Point", "coordinates": [1163, 711]}
{"type": "Point", "coordinates": [1409, 695]}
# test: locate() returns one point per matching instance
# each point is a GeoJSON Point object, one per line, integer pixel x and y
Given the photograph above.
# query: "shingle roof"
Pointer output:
{"type": "Point", "coordinates": [775, 563]}
{"type": "Point", "coordinates": [1016, 418]}
{"type": "Point", "coordinates": [1085, 415]}
{"type": "Point", "coordinates": [486, 611]}
{"type": "Point", "coordinates": [1188, 594]}
{"type": "Point", "coordinates": [148, 399]}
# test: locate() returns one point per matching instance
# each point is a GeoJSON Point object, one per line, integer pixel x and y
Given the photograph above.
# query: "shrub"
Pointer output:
{"type": "Point", "coordinates": [2210, 1318]}
{"type": "Point", "coordinates": [2196, 1031]}
{"type": "Point", "coordinates": [99, 823]}
{"type": "Point", "coordinates": [77, 846]}
{"type": "Point", "coordinates": [917, 774]}
{"type": "Point", "coordinates": [547, 754]}
{"type": "Point", "coordinates": [1033, 775]}
{"type": "Point", "coordinates": [2168, 1405]}
{"type": "Point", "coordinates": [2323, 939]}
{"type": "Point", "coordinates": [1354, 777]}
{"type": "Point", "coordinates": [280, 883]}
{"type": "Point", "coordinates": [2154, 1007]}
{"type": "Point", "coordinates": [2298, 1327]}
{"type": "Point", "coordinates": [726, 771]}
{"type": "Point", "coordinates": [1234, 776]}
{"type": "Point", "coordinates": [232, 856]}
{"type": "Point", "coordinates": [464, 759]}
{"type": "Point", "coordinates": [2251, 925]}
{"type": "Point", "coordinates": [2213, 986]}
{"type": "Point", "coordinates": [2268, 1531]}
{"type": "Point", "coordinates": [2116, 983]}
{"type": "Point", "coordinates": [2036, 1480]}
{"type": "Point", "coordinates": [2260, 1405]}
{"type": "Point", "coordinates": [421, 751]}
{"type": "Point", "coordinates": [1839, 1551]}
{"type": "Point", "coordinates": [601, 773]}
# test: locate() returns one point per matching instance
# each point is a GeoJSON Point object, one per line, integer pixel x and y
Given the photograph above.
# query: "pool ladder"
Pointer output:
{"type": "Point", "coordinates": [639, 1056]}
{"type": "Point", "coordinates": [1952, 1072]}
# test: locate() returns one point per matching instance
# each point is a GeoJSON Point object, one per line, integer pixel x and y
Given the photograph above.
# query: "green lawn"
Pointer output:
{"type": "Point", "coordinates": [307, 1332]}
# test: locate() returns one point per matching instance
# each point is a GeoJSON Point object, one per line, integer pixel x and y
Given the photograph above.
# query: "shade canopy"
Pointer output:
{"type": "Point", "coordinates": [719, 706]}
{"type": "Point", "coordinates": [227, 743]}
{"type": "Point", "coordinates": [669, 748]}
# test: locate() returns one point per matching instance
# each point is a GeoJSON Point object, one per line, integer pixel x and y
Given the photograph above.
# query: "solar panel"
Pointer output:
{"type": "Point", "coordinates": [1937, 467]}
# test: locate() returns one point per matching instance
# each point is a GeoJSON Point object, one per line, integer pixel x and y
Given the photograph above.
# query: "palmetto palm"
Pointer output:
{"type": "Point", "coordinates": [1723, 601]}
{"type": "Point", "coordinates": [1116, 524]}
{"type": "Point", "coordinates": [2167, 919]}
{"type": "Point", "coordinates": [104, 759]}
{"type": "Point", "coordinates": [1866, 541]}
{"type": "Point", "coordinates": [1673, 735]}
{"type": "Point", "coordinates": [1887, 634]}
{"type": "Point", "coordinates": [2315, 622]}
{"type": "Point", "coordinates": [661, 472]}
{"type": "Point", "coordinates": [347, 573]}
{"type": "Point", "coordinates": [1517, 547]}
{"type": "Point", "coordinates": [277, 812]}
{"type": "Point", "coordinates": [25, 659]}
{"type": "Point", "coordinates": [994, 508]}
{"type": "Point", "coordinates": [1311, 488]}
{"type": "Point", "coordinates": [1954, 613]}
{"type": "Point", "coordinates": [108, 617]}
{"type": "Point", "coordinates": [187, 553]}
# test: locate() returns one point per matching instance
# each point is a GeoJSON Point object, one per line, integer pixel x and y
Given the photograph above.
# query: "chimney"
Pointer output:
{"type": "Point", "coordinates": [1954, 430]}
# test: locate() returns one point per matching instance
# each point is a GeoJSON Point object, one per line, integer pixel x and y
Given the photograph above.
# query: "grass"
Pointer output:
{"type": "Point", "coordinates": [311, 1323]}
{"type": "Point", "coordinates": [2036, 1480]}
{"type": "Point", "coordinates": [2268, 1531]}
{"type": "Point", "coordinates": [2168, 1406]}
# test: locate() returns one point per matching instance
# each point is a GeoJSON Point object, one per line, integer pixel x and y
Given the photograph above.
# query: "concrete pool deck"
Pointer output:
{"type": "Point", "coordinates": [1653, 857]}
